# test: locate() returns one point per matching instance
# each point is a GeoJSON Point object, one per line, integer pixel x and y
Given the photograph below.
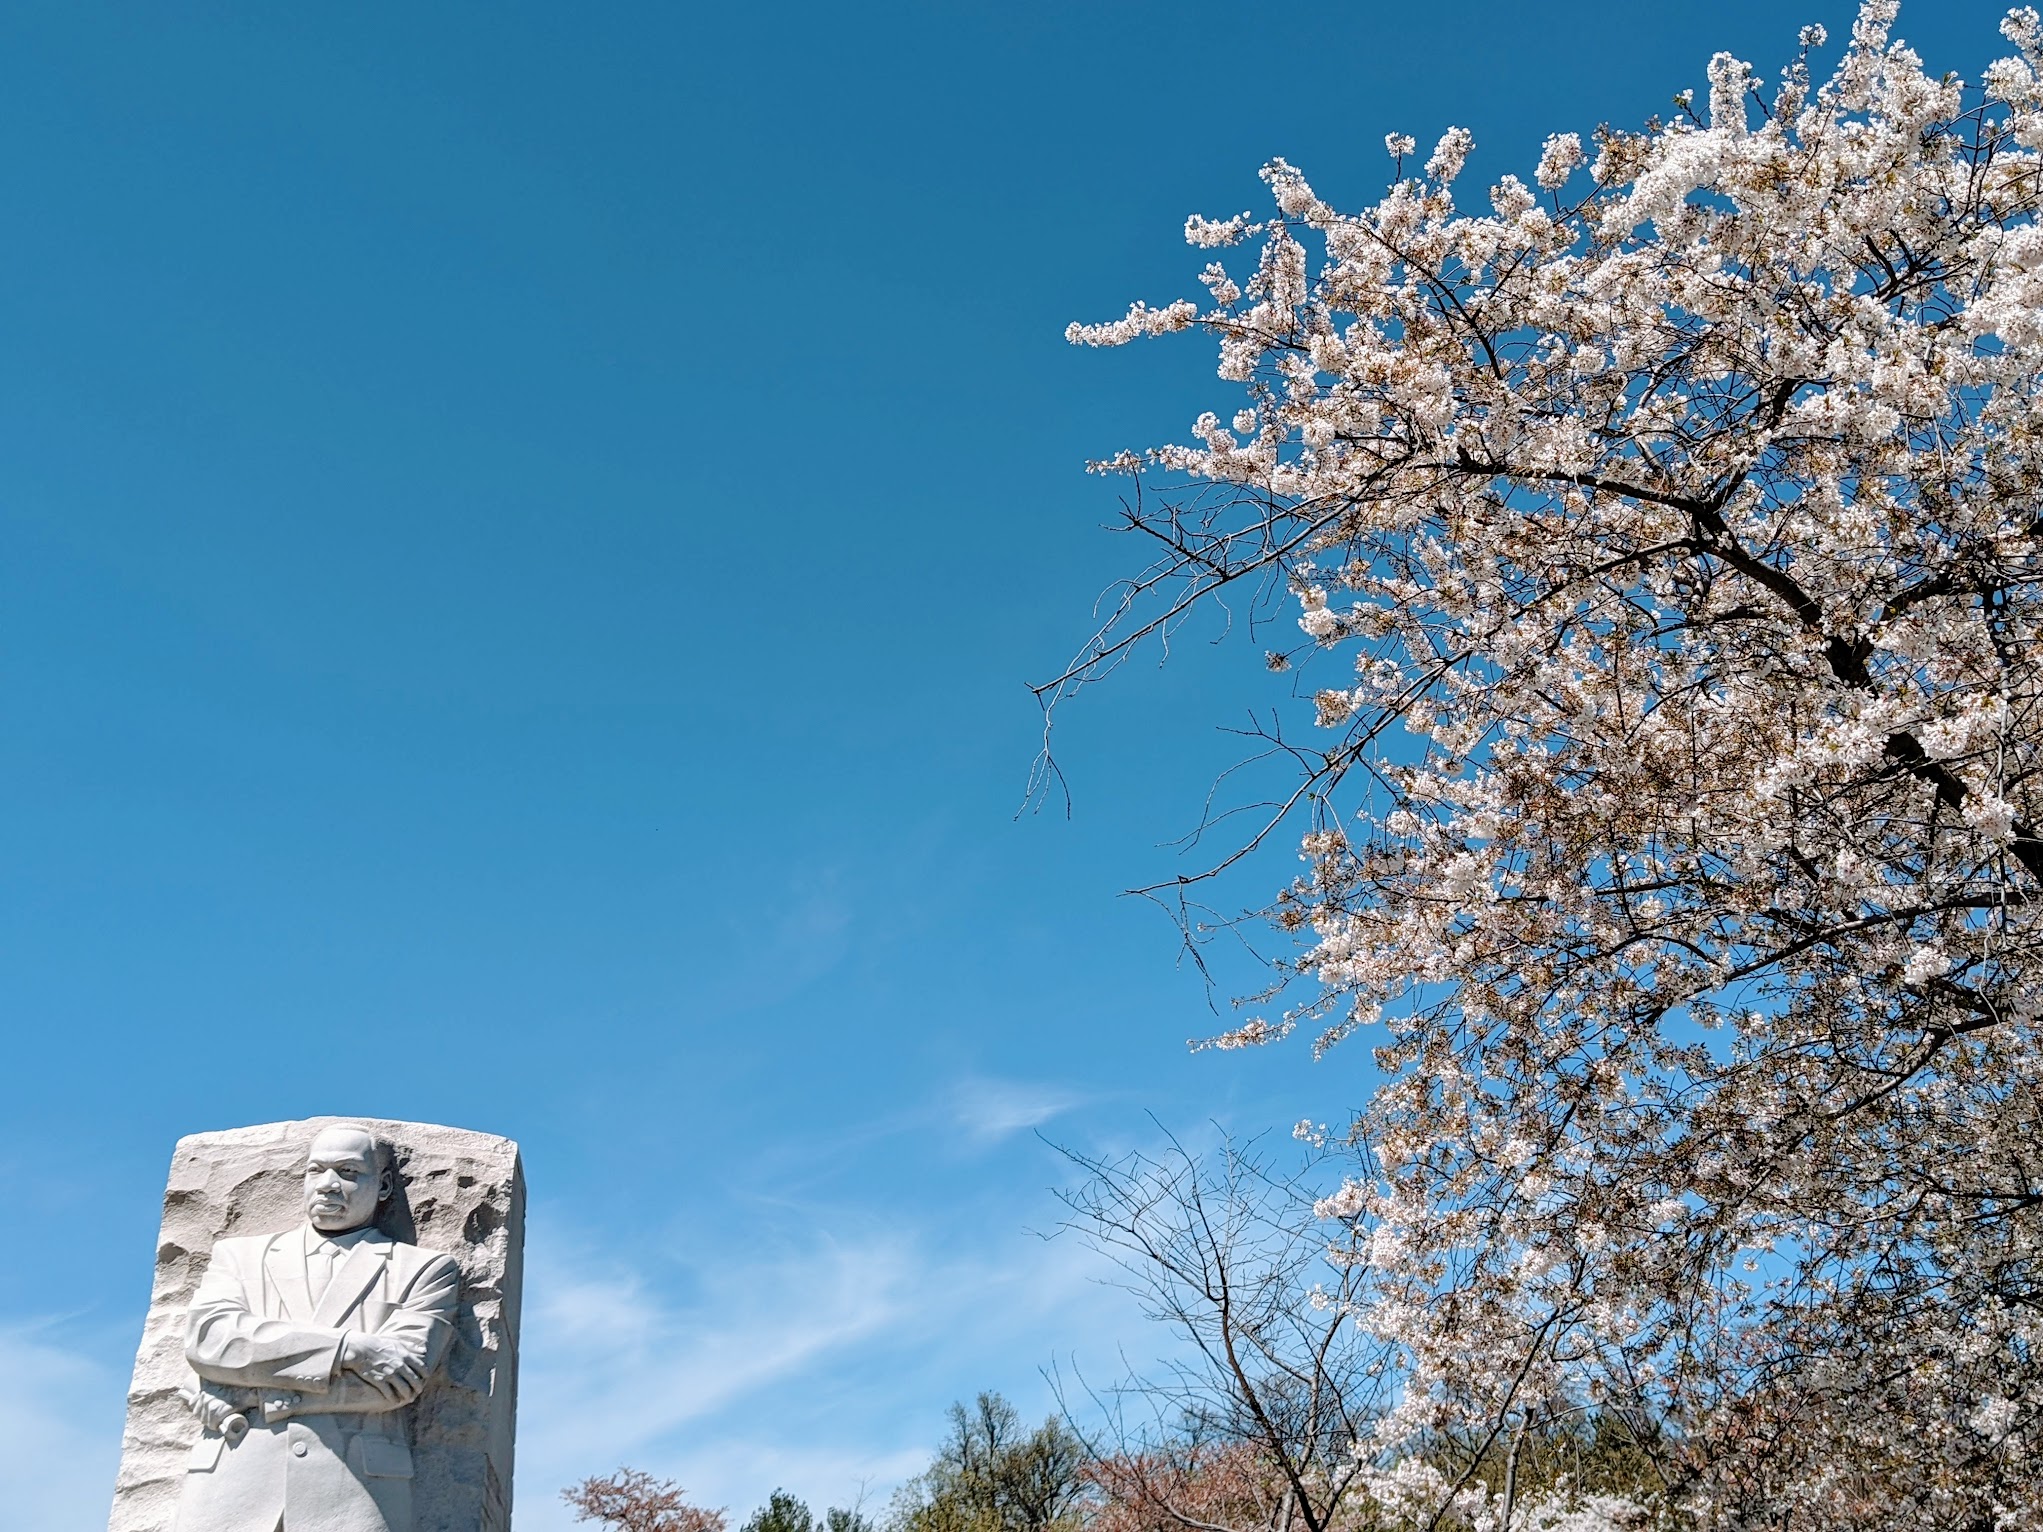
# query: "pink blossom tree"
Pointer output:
{"type": "Point", "coordinates": [632, 1500]}
{"type": "Point", "coordinates": [1666, 542]}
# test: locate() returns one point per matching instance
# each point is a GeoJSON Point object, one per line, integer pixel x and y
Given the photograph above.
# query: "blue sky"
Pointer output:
{"type": "Point", "coordinates": [523, 531]}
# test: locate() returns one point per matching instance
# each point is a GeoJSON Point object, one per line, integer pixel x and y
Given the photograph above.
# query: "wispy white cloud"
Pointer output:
{"type": "Point", "coordinates": [989, 1110]}
{"type": "Point", "coordinates": [60, 1431]}
{"type": "Point", "coordinates": [822, 1367]}
{"type": "Point", "coordinates": [762, 964]}
{"type": "Point", "coordinates": [612, 1364]}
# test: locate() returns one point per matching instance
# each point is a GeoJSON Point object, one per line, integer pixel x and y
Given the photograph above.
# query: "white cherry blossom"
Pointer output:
{"type": "Point", "coordinates": [1667, 554]}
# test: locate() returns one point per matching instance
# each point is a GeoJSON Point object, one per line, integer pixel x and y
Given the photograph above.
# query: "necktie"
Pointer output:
{"type": "Point", "coordinates": [323, 1261]}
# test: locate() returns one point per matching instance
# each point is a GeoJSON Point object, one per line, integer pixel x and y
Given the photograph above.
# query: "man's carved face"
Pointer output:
{"type": "Point", "coordinates": [344, 1181]}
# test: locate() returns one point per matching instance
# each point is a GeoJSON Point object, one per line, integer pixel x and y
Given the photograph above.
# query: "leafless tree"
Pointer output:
{"type": "Point", "coordinates": [1254, 1422]}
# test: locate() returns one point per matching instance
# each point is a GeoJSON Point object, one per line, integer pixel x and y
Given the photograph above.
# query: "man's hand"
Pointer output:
{"type": "Point", "coordinates": [384, 1364]}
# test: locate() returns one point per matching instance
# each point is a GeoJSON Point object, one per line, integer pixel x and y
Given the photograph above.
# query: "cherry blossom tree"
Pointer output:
{"type": "Point", "coordinates": [632, 1500]}
{"type": "Point", "coordinates": [1665, 538]}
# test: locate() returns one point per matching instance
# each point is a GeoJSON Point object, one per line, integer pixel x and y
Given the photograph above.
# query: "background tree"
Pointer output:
{"type": "Point", "coordinates": [1269, 1420]}
{"type": "Point", "coordinates": [781, 1513]}
{"type": "Point", "coordinates": [994, 1475]}
{"type": "Point", "coordinates": [1255, 1424]}
{"type": "Point", "coordinates": [634, 1501]}
{"type": "Point", "coordinates": [1682, 509]}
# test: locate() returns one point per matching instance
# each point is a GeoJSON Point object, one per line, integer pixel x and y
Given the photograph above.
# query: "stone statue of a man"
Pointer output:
{"type": "Point", "coordinates": [309, 1346]}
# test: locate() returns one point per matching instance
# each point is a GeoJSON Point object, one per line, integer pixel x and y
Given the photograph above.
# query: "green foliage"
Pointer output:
{"type": "Point", "coordinates": [1603, 1453]}
{"type": "Point", "coordinates": [994, 1475]}
{"type": "Point", "coordinates": [781, 1513]}
{"type": "Point", "coordinates": [784, 1513]}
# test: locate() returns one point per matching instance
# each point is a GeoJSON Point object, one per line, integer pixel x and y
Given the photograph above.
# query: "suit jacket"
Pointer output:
{"type": "Point", "coordinates": [324, 1452]}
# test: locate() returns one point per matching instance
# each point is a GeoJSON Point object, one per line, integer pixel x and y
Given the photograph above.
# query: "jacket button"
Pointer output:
{"type": "Point", "coordinates": [298, 1449]}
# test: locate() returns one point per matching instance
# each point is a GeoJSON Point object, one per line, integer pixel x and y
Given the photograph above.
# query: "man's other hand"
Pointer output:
{"type": "Point", "coordinates": [385, 1365]}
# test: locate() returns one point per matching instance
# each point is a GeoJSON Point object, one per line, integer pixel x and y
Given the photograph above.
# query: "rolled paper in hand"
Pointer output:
{"type": "Point", "coordinates": [215, 1413]}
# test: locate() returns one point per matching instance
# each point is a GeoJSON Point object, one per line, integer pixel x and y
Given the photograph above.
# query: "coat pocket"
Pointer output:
{"type": "Point", "coordinates": [205, 1456]}
{"type": "Point", "coordinates": [379, 1457]}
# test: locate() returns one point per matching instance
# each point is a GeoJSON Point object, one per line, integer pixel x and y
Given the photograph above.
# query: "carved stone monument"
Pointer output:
{"type": "Point", "coordinates": [332, 1340]}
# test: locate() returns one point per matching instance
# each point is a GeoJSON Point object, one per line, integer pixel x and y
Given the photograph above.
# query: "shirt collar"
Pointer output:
{"type": "Point", "coordinates": [314, 1240]}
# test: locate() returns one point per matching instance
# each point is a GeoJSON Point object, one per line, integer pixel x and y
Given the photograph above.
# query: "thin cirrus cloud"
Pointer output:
{"type": "Point", "coordinates": [821, 1365]}
{"type": "Point", "coordinates": [60, 1430]}
{"type": "Point", "coordinates": [616, 1366]}
{"type": "Point", "coordinates": [990, 1110]}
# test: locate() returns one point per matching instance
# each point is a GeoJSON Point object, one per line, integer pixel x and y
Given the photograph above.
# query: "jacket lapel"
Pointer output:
{"type": "Point", "coordinates": [351, 1280]}
{"type": "Point", "coordinates": [283, 1263]}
